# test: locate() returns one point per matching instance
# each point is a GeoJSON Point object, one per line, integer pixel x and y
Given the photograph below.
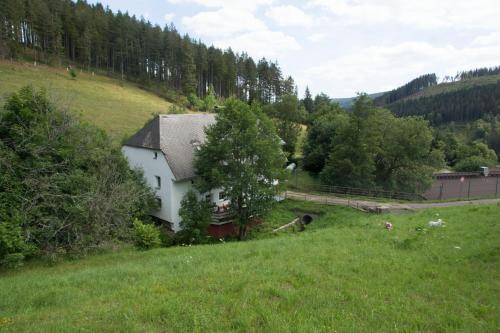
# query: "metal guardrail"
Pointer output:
{"type": "Point", "coordinates": [363, 192]}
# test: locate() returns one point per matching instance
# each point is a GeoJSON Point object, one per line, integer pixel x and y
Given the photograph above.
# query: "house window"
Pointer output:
{"type": "Point", "coordinates": [158, 182]}
{"type": "Point", "coordinates": [156, 155]}
{"type": "Point", "coordinates": [158, 201]}
{"type": "Point", "coordinates": [222, 195]}
{"type": "Point", "coordinates": [208, 198]}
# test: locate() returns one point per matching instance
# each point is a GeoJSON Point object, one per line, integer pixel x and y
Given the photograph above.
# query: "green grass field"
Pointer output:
{"type": "Point", "coordinates": [119, 107]}
{"type": "Point", "coordinates": [345, 273]}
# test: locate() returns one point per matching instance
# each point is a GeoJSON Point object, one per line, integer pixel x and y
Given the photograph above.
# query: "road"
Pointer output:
{"type": "Point", "coordinates": [376, 206]}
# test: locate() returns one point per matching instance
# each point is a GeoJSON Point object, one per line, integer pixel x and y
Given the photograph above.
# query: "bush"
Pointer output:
{"type": "Point", "coordinates": [13, 248]}
{"type": "Point", "coordinates": [72, 73]}
{"type": "Point", "coordinates": [195, 217]}
{"type": "Point", "coordinates": [62, 181]}
{"type": "Point", "coordinates": [147, 236]}
{"type": "Point", "coordinates": [174, 109]}
{"type": "Point", "coordinates": [195, 102]}
{"type": "Point", "coordinates": [474, 156]}
{"type": "Point", "coordinates": [472, 163]}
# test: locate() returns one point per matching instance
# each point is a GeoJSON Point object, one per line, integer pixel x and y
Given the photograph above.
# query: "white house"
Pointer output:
{"type": "Point", "coordinates": [164, 150]}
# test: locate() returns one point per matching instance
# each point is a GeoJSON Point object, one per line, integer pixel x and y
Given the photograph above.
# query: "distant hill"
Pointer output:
{"type": "Point", "coordinates": [119, 107]}
{"type": "Point", "coordinates": [347, 102]}
{"type": "Point", "coordinates": [471, 95]}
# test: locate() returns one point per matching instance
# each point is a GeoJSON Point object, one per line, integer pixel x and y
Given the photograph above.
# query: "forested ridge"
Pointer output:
{"type": "Point", "coordinates": [479, 72]}
{"type": "Point", "coordinates": [93, 37]}
{"type": "Point", "coordinates": [461, 98]}
{"type": "Point", "coordinates": [408, 89]}
{"type": "Point", "coordinates": [461, 105]}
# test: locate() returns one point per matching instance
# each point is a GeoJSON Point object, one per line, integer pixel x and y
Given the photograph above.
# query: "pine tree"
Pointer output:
{"type": "Point", "coordinates": [188, 66]}
{"type": "Point", "coordinates": [308, 101]}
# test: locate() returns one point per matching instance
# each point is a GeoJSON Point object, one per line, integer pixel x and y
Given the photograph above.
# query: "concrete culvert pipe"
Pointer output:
{"type": "Point", "coordinates": [306, 219]}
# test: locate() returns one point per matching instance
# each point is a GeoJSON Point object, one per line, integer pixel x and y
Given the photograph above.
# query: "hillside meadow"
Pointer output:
{"type": "Point", "coordinates": [344, 273]}
{"type": "Point", "coordinates": [119, 107]}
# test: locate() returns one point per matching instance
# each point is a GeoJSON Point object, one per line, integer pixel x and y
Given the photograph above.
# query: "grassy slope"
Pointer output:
{"type": "Point", "coordinates": [118, 107]}
{"type": "Point", "coordinates": [346, 273]}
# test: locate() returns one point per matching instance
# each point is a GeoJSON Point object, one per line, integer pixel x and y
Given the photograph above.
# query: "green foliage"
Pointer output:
{"type": "Point", "coordinates": [146, 236]}
{"type": "Point", "coordinates": [288, 114]}
{"type": "Point", "coordinates": [241, 154]}
{"type": "Point", "coordinates": [13, 247]}
{"type": "Point", "coordinates": [210, 101]}
{"type": "Point", "coordinates": [370, 147]}
{"type": "Point", "coordinates": [174, 109]}
{"type": "Point", "coordinates": [206, 104]}
{"type": "Point", "coordinates": [351, 161]}
{"type": "Point", "coordinates": [72, 73]}
{"type": "Point", "coordinates": [326, 123]}
{"type": "Point", "coordinates": [195, 217]}
{"type": "Point", "coordinates": [472, 164]}
{"type": "Point", "coordinates": [308, 102]}
{"type": "Point", "coordinates": [62, 181]}
{"type": "Point", "coordinates": [472, 157]}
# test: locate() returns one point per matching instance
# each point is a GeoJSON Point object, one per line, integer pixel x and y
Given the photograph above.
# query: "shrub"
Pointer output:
{"type": "Point", "coordinates": [174, 109]}
{"type": "Point", "coordinates": [13, 248]}
{"type": "Point", "coordinates": [472, 163]}
{"type": "Point", "coordinates": [71, 188]}
{"type": "Point", "coordinates": [147, 236]}
{"type": "Point", "coordinates": [195, 102]}
{"type": "Point", "coordinates": [72, 73]}
{"type": "Point", "coordinates": [196, 217]}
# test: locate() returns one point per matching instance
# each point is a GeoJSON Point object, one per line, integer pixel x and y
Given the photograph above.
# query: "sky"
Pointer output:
{"type": "Point", "coordinates": [341, 47]}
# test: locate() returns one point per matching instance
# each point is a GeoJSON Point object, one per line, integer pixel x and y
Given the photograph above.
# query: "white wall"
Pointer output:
{"type": "Point", "coordinates": [142, 158]}
{"type": "Point", "coordinates": [171, 191]}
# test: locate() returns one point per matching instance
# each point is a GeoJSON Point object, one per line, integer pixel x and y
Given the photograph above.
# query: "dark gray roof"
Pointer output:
{"type": "Point", "coordinates": [176, 136]}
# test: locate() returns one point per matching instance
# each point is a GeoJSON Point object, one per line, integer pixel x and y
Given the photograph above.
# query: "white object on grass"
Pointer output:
{"type": "Point", "coordinates": [438, 223]}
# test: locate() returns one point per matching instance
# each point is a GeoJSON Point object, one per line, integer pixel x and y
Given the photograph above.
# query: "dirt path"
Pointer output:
{"type": "Point", "coordinates": [382, 207]}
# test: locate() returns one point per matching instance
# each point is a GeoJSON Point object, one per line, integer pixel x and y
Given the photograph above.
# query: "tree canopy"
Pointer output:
{"type": "Point", "coordinates": [288, 114]}
{"type": "Point", "coordinates": [242, 155]}
{"type": "Point", "coordinates": [369, 147]}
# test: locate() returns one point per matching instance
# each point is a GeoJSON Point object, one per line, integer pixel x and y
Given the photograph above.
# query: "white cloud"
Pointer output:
{"type": "Point", "coordinates": [424, 14]}
{"type": "Point", "coordinates": [380, 68]}
{"type": "Point", "coordinates": [241, 4]}
{"type": "Point", "coordinates": [222, 23]}
{"type": "Point", "coordinates": [169, 17]}
{"type": "Point", "coordinates": [236, 25]}
{"type": "Point", "coordinates": [289, 16]}
{"type": "Point", "coordinates": [489, 39]}
{"type": "Point", "coordinates": [316, 37]}
{"type": "Point", "coordinates": [263, 43]}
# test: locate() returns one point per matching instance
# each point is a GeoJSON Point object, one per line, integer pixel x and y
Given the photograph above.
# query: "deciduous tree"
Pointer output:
{"type": "Point", "coordinates": [242, 155]}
